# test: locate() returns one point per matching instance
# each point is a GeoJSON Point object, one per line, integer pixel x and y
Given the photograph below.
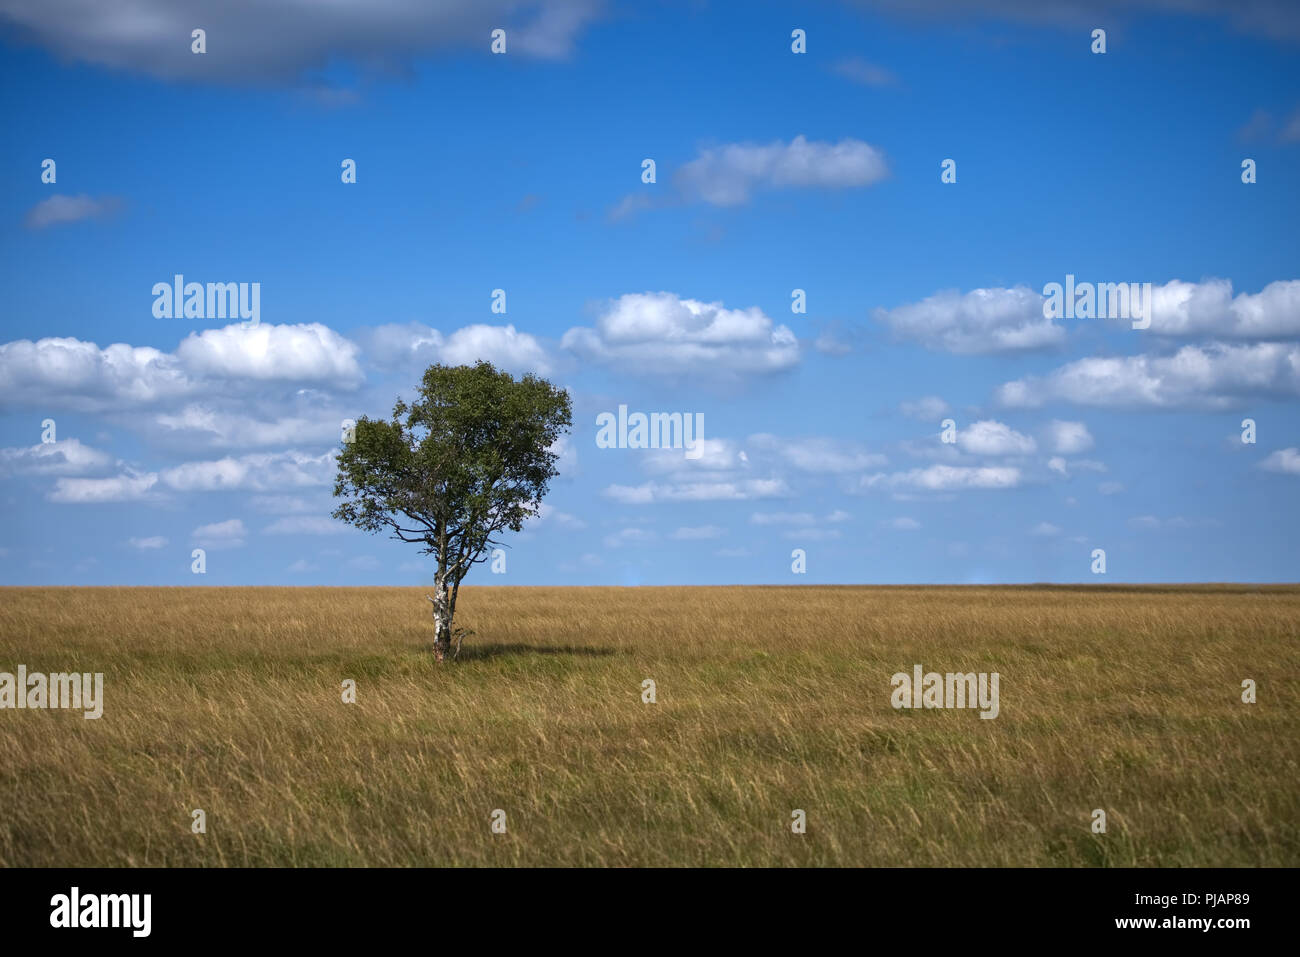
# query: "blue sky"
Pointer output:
{"type": "Point", "coordinates": [775, 171]}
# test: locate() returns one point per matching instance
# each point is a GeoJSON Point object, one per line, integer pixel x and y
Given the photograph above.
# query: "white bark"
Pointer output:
{"type": "Point", "coordinates": [441, 617]}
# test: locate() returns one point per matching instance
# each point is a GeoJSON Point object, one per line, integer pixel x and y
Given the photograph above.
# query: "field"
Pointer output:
{"type": "Point", "coordinates": [768, 700]}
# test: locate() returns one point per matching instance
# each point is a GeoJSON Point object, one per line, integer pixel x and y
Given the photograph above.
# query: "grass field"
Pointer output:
{"type": "Point", "coordinates": [769, 699]}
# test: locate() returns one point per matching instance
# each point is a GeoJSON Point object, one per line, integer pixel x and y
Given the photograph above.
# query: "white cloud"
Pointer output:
{"type": "Point", "coordinates": [798, 518]}
{"type": "Point", "coordinates": [868, 74]}
{"type": "Point", "coordinates": [813, 534]}
{"type": "Point", "coordinates": [228, 534]}
{"type": "Point", "coordinates": [714, 455]}
{"type": "Point", "coordinates": [65, 372]}
{"type": "Point", "coordinates": [1069, 438]}
{"type": "Point", "coordinates": [980, 322]}
{"type": "Point", "coordinates": [60, 209]}
{"type": "Point", "coordinates": [69, 372]}
{"type": "Point", "coordinates": [259, 472]}
{"type": "Point", "coordinates": [415, 345]}
{"type": "Point", "coordinates": [65, 457]}
{"type": "Point", "coordinates": [306, 353]}
{"type": "Point", "coordinates": [1214, 376]}
{"type": "Point", "coordinates": [734, 491]}
{"type": "Point", "coordinates": [729, 175]}
{"type": "Point", "coordinates": [279, 44]}
{"type": "Point", "coordinates": [145, 544]}
{"type": "Point", "coordinates": [223, 429]}
{"type": "Point", "coordinates": [829, 343]}
{"type": "Point", "coordinates": [552, 515]}
{"type": "Point", "coordinates": [929, 408]}
{"type": "Point", "coordinates": [286, 505]}
{"type": "Point", "coordinates": [1045, 530]}
{"type": "Point", "coordinates": [629, 536]}
{"type": "Point", "coordinates": [1208, 308]}
{"type": "Point", "coordinates": [130, 487]}
{"type": "Point", "coordinates": [989, 437]}
{"type": "Point", "coordinates": [939, 478]}
{"type": "Point", "coordinates": [305, 525]}
{"type": "Point", "coordinates": [818, 455]}
{"type": "Point", "coordinates": [503, 346]}
{"type": "Point", "coordinates": [1283, 460]}
{"type": "Point", "coordinates": [902, 524]}
{"type": "Point", "coordinates": [663, 334]}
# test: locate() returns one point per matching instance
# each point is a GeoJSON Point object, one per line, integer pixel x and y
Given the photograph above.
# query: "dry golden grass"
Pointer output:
{"type": "Point", "coordinates": [769, 699]}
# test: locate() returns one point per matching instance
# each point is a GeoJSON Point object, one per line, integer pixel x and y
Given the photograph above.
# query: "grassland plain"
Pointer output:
{"type": "Point", "coordinates": [769, 699]}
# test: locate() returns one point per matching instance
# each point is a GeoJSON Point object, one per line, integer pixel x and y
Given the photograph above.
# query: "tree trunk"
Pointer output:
{"type": "Point", "coordinates": [442, 612]}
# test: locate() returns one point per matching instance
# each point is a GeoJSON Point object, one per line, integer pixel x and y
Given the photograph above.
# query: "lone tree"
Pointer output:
{"type": "Point", "coordinates": [470, 457]}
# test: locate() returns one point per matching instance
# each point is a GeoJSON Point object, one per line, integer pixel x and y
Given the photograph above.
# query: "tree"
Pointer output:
{"type": "Point", "coordinates": [471, 456]}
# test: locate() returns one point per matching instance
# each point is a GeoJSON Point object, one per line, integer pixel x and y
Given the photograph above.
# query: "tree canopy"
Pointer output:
{"type": "Point", "coordinates": [470, 457]}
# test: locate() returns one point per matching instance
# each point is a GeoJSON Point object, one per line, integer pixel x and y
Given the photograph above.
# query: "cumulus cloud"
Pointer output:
{"type": "Point", "coordinates": [943, 478]}
{"type": "Point", "coordinates": [59, 209]}
{"type": "Point", "coordinates": [728, 175]}
{"type": "Point", "coordinates": [503, 346]}
{"type": "Point", "coordinates": [553, 516]}
{"type": "Point", "coordinates": [1215, 376]}
{"type": "Point", "coordinates": [416, 345]}
{"type": "Point", "coordinates": [650, 493]}
{"type": "Point", "coordinates": [259, 472]}
{"type": "Point", "coordinates": [1061, 466]}
{"type": "Point", "coordinates": [228, 534]}
{"type": "Point", "coordinates": [70, 373]}
{"type": "Point", "coordinates": [65, 457]}
{"type": "Point", "coordinates": [928, 408]}
{"type": "Point", "coordinates": [275, 41]}
{"type": "Point", "coordinates": [129, 487]}
{"type": "Point", "coordinates": [305, 525]}
{"type": "Point", "coordinates": [1068, 438]}
{"type": "Point", "coordinates": [713, 455]}
{"type": "Point", "coordinates": [1283, 460]}
{"type": "Point", "coordinates": [306, 353]}
{"type": "Point", "coordinates": [1045, 530]}
{"type": "Point", "coordinates": [983, 321]}
{"type": "Point", "coordinates": [241, 429]}
{"type": "Point", "coordinates": [664, 334]}
{"type": "Point", "coordinates": [1209, 308]}
{"type": "Point", "coordinates": [989, 437]}
{"type": "Point", "coordinates": [817, 454]}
